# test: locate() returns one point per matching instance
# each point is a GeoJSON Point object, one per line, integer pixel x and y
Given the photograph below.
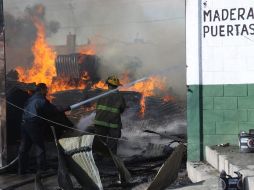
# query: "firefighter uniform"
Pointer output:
{"type": "Point", "coordinates": [108, 115]}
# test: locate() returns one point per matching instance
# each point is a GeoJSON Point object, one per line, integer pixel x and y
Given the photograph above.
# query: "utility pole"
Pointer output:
{"type": "Point", "coordinates": [3, 145]}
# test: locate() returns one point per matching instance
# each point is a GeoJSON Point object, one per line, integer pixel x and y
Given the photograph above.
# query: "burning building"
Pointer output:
{"type": "Point", "coordinates": [78, 66]}
{"type": "Point", "coordinates": [73, 66]}
{"type": "Point", "coordinates": [72, 74]}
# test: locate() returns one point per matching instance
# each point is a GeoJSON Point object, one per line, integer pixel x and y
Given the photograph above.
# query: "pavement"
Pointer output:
{"type": "Point", "coordinates": [209, 184]}
{"type": "Point", "coordinates": [205, 175]}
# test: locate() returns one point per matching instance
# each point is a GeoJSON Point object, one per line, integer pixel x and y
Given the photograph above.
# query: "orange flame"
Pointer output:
{"type": "Point", "coordinates": [89, 49]}
{"type": "Point", "coordinates": [147, 88]}
{"type": "Point", "coordinates": [43, 69]}
{"type": "Point", "coordinates": [85, 76]}
{"type": "Point", "coordinates": [168, 98]}
{"type": "Point", "coordinates": [100, 84]}
{"type": "Point", "coordinates": [62, 84]}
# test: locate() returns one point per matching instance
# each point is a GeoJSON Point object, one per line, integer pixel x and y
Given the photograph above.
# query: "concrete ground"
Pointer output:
{"type": "Point", "coordinates": [209, 184]}
{"type": "Point", "coordinates": [205, 175]}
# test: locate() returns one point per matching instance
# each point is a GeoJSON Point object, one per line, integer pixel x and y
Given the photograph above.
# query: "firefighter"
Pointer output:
{"type": "Point", "coordinates": [32, 128]}
{"type": "Point", "coordinates": [108, 114]}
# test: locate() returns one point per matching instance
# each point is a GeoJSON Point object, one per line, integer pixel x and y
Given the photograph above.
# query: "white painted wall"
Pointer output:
{"type": "Point", "coordinates": [192, 42]}
{"type": "Point", "coordinates": [227, 59]}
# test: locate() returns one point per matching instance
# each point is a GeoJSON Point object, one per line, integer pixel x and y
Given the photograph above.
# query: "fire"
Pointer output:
{"type": "Point", "coordinates": [85, 76]}
{"type": "Point", "coordinates": [62, 84]}
{"type": "Point", "coordinates": [168, 98]}
{"type": "Point", "coordinates": [101, 85]}
{"type": "Point", "coordinates": [147, 88]}
{"type": "Point", "coordinates": [89, 49]}
{"type": "Point", "coordinates": [43, 69]}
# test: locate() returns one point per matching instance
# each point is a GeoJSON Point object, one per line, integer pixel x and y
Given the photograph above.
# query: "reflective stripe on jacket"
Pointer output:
{"type": "Point", "coordinates": [105, 124]}
{"type": "Point", "coordinates": [106, 108]}
{"type": "Point", "coordinates": [109, 109]}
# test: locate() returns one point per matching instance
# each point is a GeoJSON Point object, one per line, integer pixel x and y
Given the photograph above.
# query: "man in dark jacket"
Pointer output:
{"type": "Point", "coordinates": [108, 114]}
{"type": "Point", "coordinates": [32, 127]}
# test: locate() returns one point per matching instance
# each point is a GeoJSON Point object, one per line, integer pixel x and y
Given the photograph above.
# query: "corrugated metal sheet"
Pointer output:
{"type": "Point", "coordinates": [84, 159]}
{"type": "Point", "coordinates": [76, 65]}
{"type": "Point", "coordinates": [67, 66]}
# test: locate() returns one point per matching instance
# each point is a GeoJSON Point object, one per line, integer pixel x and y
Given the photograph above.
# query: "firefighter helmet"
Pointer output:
{"type": "Point", "coordinates": [113, 80]}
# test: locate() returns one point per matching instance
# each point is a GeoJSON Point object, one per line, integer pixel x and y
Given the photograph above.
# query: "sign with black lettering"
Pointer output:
{"type": "Point", "coordinates": [227, 21]}
{"type": "Point", "coordinates": [227, 41]}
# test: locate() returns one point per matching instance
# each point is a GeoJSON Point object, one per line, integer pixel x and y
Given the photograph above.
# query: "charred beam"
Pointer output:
{"type": "Point", "coordinates": [3, 146]}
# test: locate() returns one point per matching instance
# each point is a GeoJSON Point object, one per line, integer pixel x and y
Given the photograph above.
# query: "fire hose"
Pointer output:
{"type": "Point", "coordinates": [106, 93]}
{"type": "Point", "coordinates": [2, 169]}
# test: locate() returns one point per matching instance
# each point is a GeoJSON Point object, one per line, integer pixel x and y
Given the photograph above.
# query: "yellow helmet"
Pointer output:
{"type": "Point", "coordinates": [113, 80]}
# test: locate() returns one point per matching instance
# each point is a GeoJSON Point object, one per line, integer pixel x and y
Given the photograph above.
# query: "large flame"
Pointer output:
{"type": "Point", "coordinates": [43, 68]}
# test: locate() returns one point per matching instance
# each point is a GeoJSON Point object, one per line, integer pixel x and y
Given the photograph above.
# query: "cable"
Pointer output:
{"type": "Point", "coordinates": [175, 139]}
{"type": "Point", "coordinates": [62, 125]}
{"type": "Point", "coordinates": [11, 163]}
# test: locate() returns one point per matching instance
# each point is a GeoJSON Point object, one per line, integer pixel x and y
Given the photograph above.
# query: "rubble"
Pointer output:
{"type": "Point", "coordinates": [169, 171]}
{"type": "Point", "coordinates": [150, 153]}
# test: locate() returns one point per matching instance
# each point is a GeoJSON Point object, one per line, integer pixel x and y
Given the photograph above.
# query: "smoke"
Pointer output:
{"type": "Point", "coordinates": [86, 122]}
{"type": "Point", "coordinates": [131, 37]}
{"type": "Point", "coordinates": [139, 142]}
{"type": "Point", "coordinates": [21, 34]}
{"type": "Point", "coordinates": [139, 36]}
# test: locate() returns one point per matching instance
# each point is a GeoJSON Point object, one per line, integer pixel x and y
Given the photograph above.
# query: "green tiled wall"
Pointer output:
{"type": "Point", "coordinates": [193, 120]}
{"type": "Point", "coordinates": [225, 110]}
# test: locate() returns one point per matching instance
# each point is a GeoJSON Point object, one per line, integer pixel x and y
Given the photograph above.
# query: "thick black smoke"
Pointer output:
{"type": "Point", "coordinates": [21, 34]}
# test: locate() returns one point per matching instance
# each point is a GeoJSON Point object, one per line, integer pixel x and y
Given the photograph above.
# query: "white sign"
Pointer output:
{"type": "Point", "coordinates": [228, 22]}
{"type": "Point", "coordinates": [227, 41]}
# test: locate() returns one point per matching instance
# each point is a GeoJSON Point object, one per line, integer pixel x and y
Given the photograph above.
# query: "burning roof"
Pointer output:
{"type": "Point", "coordinates": [80, 71]}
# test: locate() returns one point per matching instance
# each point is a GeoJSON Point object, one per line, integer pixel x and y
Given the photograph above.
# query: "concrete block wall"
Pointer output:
{"type": "Point", "coordinates": [227, 110]}
{"type": "Point", "coordinates": [224, 112]}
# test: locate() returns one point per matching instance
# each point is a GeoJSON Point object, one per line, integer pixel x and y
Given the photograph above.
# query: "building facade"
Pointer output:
{"type": "Point", "coordinates": [220, 72]}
